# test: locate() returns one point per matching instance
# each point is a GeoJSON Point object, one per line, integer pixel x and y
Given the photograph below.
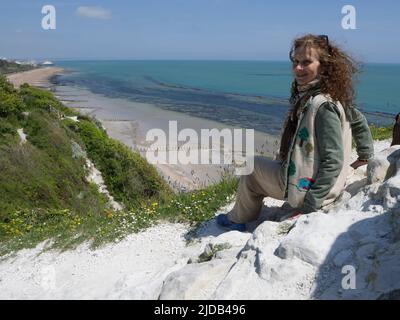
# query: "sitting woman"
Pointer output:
{"type": "Point", "coordinates": [315, 152]}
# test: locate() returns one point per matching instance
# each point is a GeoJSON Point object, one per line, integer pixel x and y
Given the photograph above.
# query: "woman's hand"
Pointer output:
{"type": "Point", "coordinates": [291, 215]}
{"type": "Point", "coordinates": [295, 215]}
{"type": "Point", "coordinates": [359, 163]}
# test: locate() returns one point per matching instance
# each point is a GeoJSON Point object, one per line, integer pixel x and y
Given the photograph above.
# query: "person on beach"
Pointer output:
{"type": "Point", "coordinates": [315, 152]}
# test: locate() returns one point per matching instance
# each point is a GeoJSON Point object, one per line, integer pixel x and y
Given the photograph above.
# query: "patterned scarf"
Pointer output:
{"type": "Point", "coordinates": [297, 102]}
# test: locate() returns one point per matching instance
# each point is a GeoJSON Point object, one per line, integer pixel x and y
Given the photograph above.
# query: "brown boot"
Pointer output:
{"type": "Point", "coordinates": [396, 131]}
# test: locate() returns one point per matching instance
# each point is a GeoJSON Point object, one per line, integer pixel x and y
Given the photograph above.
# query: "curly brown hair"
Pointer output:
{"type": "Point", "coordinates": [337, 68]}
{"type": "Point", "coordinates": [336, 78]}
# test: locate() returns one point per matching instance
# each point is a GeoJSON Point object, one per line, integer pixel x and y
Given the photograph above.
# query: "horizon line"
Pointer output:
{"type": "Point", "coordinates": [174, 59]}
{"type": "Point", "coordinates": [194, 60]}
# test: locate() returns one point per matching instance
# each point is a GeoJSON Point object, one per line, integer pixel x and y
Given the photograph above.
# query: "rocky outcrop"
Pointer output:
{"type": "Point", "coordinates": [383, 165]}
{"type": "Point", "coordinates": [349, 252]}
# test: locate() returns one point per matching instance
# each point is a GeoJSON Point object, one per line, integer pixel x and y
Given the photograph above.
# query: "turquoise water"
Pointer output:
{"type": "Point", "coordinates": [252, 94]}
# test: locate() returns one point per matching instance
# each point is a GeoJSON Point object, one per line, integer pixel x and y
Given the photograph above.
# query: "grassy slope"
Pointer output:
{"type": "Point", "coordinates": [43, 190]}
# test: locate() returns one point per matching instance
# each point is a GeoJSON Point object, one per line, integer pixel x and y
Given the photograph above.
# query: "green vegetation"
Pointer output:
{"type": "Point", "coordinates": [128, 176]}
{"type": "Point", "coordinates": [44, 193]}
{"type": "Point", "coordinates": [285, 227]}
{"type": "Point", "coordinates": [10, 102]}
{"type": "Point", "coordinates": [381, 133]}
{"type": "Point", "coordinates": [11, 67]}
{"type": "Point", "coordinates": [66, 228]}
{"type": "Point", "coordinates": [211, 250]}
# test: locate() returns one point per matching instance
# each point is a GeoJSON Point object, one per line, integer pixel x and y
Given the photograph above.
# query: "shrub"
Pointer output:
{"type": "Point", "coordinates": [10, 103]}
{"type": "Point", "coordinates": [6, 128]}
{"type": "Point", "coordinates": [35, 98]}
{"type": "Point", "coordinates": [129, 177]}
{"type": "Point", "coordinates": [5, 85]}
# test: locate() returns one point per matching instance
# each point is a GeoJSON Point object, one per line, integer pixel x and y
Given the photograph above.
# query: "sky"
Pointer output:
{"type": "Point", "coordinates": [194, 29]}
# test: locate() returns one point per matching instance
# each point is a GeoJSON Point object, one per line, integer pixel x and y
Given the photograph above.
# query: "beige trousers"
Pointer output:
{"type": "Point", "coordinates": [265, 181]}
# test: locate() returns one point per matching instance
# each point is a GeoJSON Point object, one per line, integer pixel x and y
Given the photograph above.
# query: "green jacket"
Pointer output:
{"type": "Point", "coordinates": [330, 146]}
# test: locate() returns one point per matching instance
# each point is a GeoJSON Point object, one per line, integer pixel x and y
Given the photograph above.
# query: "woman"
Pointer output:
{"type": "Point", "coordinates": [314, 157]}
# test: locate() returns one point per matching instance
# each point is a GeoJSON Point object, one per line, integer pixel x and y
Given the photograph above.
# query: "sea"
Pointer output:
{"type": "Point", "coordinates": [245, 94]}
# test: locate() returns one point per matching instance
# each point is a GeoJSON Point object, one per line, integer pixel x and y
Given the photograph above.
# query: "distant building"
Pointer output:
{"type": "Point", "coordinates": [47, 63]}
{"type": "Point", "coordinates": [32, 63]}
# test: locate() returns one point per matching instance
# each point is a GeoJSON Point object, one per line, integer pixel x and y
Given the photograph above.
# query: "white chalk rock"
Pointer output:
{"type": "Point", "coordinates": [260, 274]}
{"type": "Point", "coordinates": [206, 269]}
{"type": "Point", "coordinates": [195, 281]}
{"type": "Point", "coordinates": [130, 288]}
{"type": "Point", "coordinates": [383, 165]}
{"type": "Point", "coordinates": [22, 136]}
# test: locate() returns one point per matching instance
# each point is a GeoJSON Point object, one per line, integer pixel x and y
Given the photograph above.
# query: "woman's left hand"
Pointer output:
{"type": "Point", "coordinates": [296, 215]}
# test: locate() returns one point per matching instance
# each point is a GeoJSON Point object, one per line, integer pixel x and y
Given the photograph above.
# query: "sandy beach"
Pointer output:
{"type": "Point", "coordinates": [130, 121]}
{"type": "Point", "coordinates": [37, 77]}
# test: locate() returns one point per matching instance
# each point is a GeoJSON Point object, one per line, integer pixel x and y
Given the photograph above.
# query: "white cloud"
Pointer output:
{"type": "Point", "coordinates": [93, 12]}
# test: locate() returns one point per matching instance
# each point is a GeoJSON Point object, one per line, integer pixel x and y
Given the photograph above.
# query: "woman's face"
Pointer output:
{"type": "Point", "coordinates": [306, 65]}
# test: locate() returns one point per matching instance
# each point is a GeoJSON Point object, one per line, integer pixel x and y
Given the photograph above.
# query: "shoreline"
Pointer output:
{"type": "Point", "coordinates": [128, 122]}
{"type": "Point", "coordinates": [37, 77]}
